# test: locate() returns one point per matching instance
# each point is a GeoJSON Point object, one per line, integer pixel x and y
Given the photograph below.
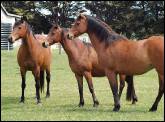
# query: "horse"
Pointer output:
{"type": "Point", "coordinates": [83, 62]}
{"type": "Point", "coordinates": [117, 54]}
{"type": "Point", "coordinates": [31, 57]}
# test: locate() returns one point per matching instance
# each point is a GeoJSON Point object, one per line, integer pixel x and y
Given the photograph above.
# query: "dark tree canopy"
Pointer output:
{"type": "Point", "coordinates": [134, 19]}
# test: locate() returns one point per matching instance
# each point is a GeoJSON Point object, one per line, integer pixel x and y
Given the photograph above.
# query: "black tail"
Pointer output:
{"type": "Point", "coordinates": [130, 87]}
{"type": "Point", "coordinates": [41, 81]}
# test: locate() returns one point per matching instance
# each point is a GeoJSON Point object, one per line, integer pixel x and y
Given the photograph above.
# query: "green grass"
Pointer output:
{"type": "Point", "coordinates": [64, 99]}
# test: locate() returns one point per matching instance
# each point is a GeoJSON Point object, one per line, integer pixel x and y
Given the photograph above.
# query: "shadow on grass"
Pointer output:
{"type": "Point", "coordinates": [13, 103]}
{"type": "Point", "coordinates": [89, 108]}
{"type": "Point", "coordinates": [7, 102]}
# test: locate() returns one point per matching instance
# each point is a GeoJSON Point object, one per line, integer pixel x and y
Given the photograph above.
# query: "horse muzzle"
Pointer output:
{"type": "Point", "coordinates": [45, 44]}
{"type": "Point", "coordinates": [10, 40]}
{"type": "Point", "coordinates": [70, 36]}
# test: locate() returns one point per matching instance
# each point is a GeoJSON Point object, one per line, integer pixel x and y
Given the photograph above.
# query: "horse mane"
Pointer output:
{"type": "Point", "coordinates": [102, 30]}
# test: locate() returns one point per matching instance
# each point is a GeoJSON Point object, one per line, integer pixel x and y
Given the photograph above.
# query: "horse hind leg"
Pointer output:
{"type": "Point", "coordinates": [131, 95]}
{"type": "Point", "coordinates": [48, 82]}
{"type": "Point", "coordinates": [122, 84]}
{"type": "Point", "coordinates": [160, 93]}
{"type": "Point", "coordinates": [42, 80]}
{"type": "Point", "coordinates": [88, 77]}
{"type": "Point", "coordinates": [36, 73]}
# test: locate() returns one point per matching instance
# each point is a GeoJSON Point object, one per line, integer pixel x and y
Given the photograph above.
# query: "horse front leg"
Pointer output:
{"type": "Point", "coordinates": [36, 73]}
{"type": "Point", "coordinates": [23, 85]}
{"type": "Point", "coordinates": [112, 77]}
{"type": "Point", "coordinates": [48, 82]}
{"type": "Point", "coordinates": [88, 77]}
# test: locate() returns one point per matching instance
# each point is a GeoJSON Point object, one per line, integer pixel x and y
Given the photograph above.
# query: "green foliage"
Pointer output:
{"type": "Point", "coordinates": [140, 18]}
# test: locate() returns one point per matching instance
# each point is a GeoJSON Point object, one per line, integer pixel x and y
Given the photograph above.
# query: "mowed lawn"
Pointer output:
{"type": "Point", "coordinates": [64, 99]}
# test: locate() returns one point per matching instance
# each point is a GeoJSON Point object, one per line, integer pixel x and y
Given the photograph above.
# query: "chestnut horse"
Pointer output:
{"type": "Point", "coordinates": [31, 57]}
{"type": "Point", "coordinates": [83, 61]}
{"type": "Point", "coordinates": [117, 54]}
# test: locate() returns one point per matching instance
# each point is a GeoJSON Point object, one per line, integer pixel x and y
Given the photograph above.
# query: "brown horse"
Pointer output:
{"type": "Point", "coordinates": [83, 61]}
{"type": "Point", "coordinates": [31, 57]}
{"type": "Point", "coordinates": [117, 54]}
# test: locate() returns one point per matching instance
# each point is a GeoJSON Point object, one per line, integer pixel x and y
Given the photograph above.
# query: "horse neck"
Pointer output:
{"type": "Point", "coordinates": [94, 40]}
{"type": "Point", "coordinates": [30, 43]}
{"type": "Point", "coordinates": [68, 46]}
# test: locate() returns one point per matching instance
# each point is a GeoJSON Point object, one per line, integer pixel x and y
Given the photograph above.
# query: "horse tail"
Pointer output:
{"type": "Point", "coordinates": [41, 81]}
{"type": "Point", "coordinates": [129, 94]}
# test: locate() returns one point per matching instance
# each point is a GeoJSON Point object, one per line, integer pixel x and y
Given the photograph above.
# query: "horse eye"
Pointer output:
{"type": "Point", "coordinates": [77, 23]}
{"type": "Point", "coordinates": [19, 27]}
{"type": "Point", "coordinates": [52, 33]}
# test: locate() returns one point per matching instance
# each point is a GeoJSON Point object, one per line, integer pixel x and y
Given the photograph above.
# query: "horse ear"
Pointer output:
{"type": "Point", "coordinates": [24, 18]}
{"type": "Point", "coordinates": [55, 25]}
{"type": "Point", "coordinates": [82, 16]}
{"type": "Point", "coordinates": [16, 19]}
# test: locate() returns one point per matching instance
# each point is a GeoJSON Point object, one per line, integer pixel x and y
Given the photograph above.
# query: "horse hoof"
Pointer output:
{"type": "Point", "coordinates": [38, 102]}
{"type": "Point", "coordinates": [153, 109]}
{"type": "Point", "coordinates": [48, 95]}
{"type": "Point", "coordinates": [81, 104]}
{"type": "Point", "coordinates": [133, 102]}
{"type": "Point", "coordinates": [116, 108]}
{"type": "Point", "coordinates": [96, 103]}
{"type": "Point", "coordinates": [21, 101]}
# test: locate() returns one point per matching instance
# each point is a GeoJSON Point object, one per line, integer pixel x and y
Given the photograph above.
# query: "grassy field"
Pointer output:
{"type": "Point", "coordinates": [64, 99]}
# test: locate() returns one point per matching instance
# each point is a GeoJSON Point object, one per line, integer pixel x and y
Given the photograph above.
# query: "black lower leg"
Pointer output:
{"type": "Point", "coordinates": [135, 99]}
{"type": "Point", "coordinates": [114, 86]}
{"type": "Point", "coordinates": [48, 82]}
{"type": "Point", "coordinates": [80, 87]}
{"type": "Point", "coordinates": [23, 88]}
{"type": "Point", "coordinates": [122, 84]}
{"type": "Point", "coordinates": [160, 94]}
{"type": "Point", "coordinates": [37, 91]}
{"type": "Point", "coordinates": [81, 103]}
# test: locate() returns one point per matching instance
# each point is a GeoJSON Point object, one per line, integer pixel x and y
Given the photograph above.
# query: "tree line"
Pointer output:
{"type": "Point", "coordinates": [134, 19]}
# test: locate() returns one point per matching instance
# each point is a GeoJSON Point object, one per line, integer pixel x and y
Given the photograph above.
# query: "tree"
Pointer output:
{"type": "Point", "coordinates": [131, 18]}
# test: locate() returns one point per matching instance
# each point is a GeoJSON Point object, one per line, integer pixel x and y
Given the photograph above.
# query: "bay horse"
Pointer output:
{"type": "Point", "coordinates": [83, 62]}
{"type": "Point", "coordinates": [31, 57]}
{"type": "Point", "coordinates": [117, 54]}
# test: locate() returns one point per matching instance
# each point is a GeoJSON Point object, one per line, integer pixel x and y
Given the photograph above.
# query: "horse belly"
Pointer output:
{"type": "Point", "coordinates": [98, 73]}
{"type": "Point", "coordinates": [137, 64]}
{"type": "Point", "coordinates": [126, 59]}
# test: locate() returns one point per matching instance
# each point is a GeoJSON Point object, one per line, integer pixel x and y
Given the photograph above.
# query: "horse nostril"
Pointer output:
{"type": "Point", "coordinates": [69, 36]}
{"type": "Point", "coordinates": [10, 40]}
{"type": "Point", "coordinates": [44, 44]}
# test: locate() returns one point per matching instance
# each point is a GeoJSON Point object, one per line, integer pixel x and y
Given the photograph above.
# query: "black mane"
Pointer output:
{"type": "Point", "coordinates": [102, 30]}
